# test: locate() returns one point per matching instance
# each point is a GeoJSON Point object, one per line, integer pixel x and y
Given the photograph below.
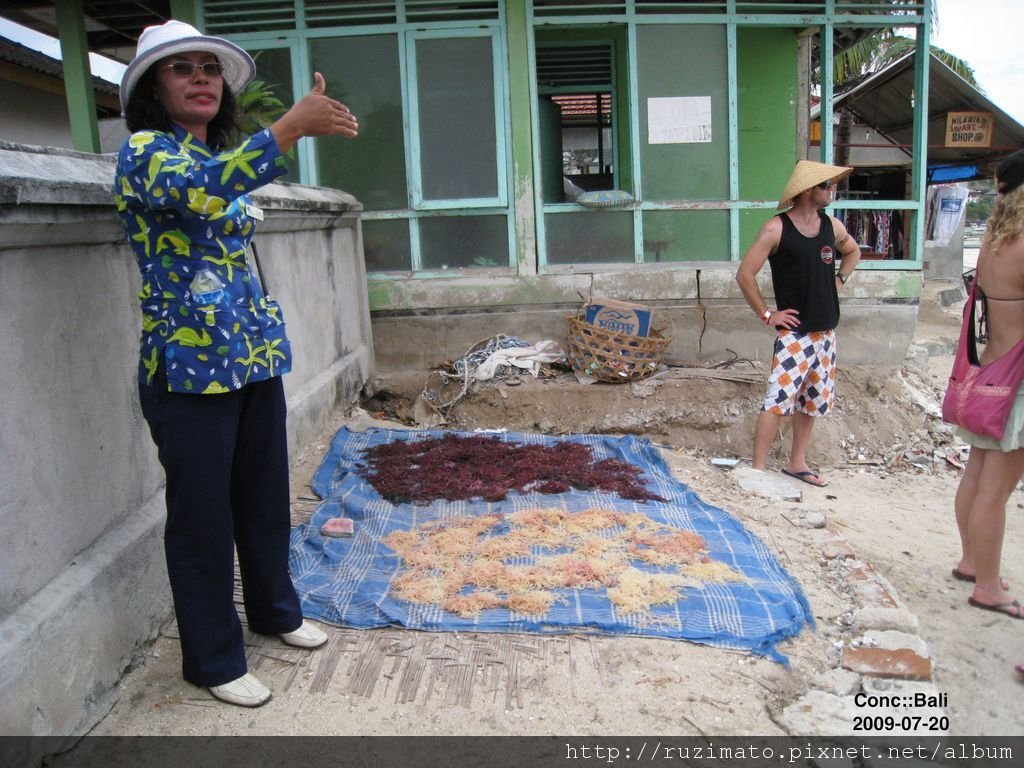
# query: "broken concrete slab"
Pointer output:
{"type": "Point", "coordinates": [881, 618]}
{"type": "Point", "coordinates": [908, 702]}
{"type": "Point", "coordinates": [767, 484]}
{"type": "Point", "coordinates": [836, 547]}
{"type": "Point", "coordinates": [818, 712]}
{"type": "Point", "coordinates": [911, 692]}
{"type": "Point", "coordinates": [838, 681]}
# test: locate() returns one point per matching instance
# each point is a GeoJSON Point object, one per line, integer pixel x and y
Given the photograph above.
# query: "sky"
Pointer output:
{"type": "Point", "coordinates": [984, 33]}
{"type": "Point", "coordinates": [987, 35]}
{"type": "Point", "coordinates": [101, 66]}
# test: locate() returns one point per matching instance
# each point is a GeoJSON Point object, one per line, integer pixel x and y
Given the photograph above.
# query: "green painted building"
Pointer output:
{"type": "Point", "coordinates": [483, 121]}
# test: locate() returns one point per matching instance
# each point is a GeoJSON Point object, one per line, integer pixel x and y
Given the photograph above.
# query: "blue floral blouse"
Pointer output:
{"type": "Point", "coordinates": [185, 208]}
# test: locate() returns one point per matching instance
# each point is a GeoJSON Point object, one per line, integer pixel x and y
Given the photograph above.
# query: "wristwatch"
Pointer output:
{"type": "Point", "coordinates": [842, 278]}
{"type": "Point", "coordinates": [766, 315]}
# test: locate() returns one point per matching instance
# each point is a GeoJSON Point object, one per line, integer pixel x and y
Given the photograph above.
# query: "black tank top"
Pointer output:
{"type": "Point", "coordinates": [804, 275]}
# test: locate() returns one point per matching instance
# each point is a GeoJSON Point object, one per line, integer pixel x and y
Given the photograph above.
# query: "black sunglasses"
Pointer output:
{"type": "Point", "coordinates": [188, 69]}
{"type": "Point", "coordinates": [826, 184]}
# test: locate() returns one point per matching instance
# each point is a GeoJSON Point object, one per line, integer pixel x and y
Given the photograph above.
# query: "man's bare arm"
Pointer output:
{"type": "Point", "coordinates": [767, 240]}
{"type": "Point", "coordinates": [848, 249]}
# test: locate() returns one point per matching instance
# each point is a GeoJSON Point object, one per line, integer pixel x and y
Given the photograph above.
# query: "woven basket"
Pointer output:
{"type": "Point", "coordinates": [610, 356]}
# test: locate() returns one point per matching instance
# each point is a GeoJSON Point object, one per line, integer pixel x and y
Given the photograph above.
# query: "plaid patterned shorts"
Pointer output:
{"type": "Point", "coordinates": [803, 373]}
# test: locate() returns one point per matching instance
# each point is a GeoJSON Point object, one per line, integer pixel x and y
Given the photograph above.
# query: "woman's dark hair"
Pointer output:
{"type": "Point", "coordinates": [145, 112]}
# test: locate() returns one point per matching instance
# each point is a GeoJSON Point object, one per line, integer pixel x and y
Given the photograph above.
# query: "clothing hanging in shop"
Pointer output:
{"type": "Point", "coordinates": [877, 232]}
{"type": "Point", "coordinates": [946, 208]}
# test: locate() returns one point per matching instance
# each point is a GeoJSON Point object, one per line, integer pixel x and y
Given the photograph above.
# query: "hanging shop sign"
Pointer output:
{"type": "Point", "coordinates": [969, 129]}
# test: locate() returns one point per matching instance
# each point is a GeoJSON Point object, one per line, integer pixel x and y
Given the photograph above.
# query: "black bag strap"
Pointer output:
{"type": "Point", "coordinates": [970, 278]}
{"type": "Point", "coordinates": [259, 269]}
{"type": "Point", "coordinates": [971, 340]}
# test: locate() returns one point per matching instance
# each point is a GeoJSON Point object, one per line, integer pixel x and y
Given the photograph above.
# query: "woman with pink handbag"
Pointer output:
{"type": "Point", "coordinates": [996, 462]}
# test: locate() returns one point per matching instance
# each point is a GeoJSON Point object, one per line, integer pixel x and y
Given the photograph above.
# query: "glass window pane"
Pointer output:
{"type": "Point", "coordinates": [386, 246]}
{"type": "Point", "coordinates": [363, 73]}
{"type": "Point", "coordinates": [458, 143]}
{"type": "Point", "coordinates": [686, 236]}
{"type": "Point", "coordinates": [589, 238]}
{"type": "Point", "coordinates": [464, 241]}
{"type": "Point", "coordinates": [267, 102]}
{"type": "Point", "coordinates": [683, 94]}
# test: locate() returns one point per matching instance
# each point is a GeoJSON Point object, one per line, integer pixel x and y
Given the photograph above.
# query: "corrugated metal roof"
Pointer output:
{"type": "Point", "coordinates": [37, 61]}
{"type": "Point", "coordinates": [112, 26]}
{"type": "Point", "coordinates": [20, 57]}
{"type": "Point", "coordinates": [884, 102]}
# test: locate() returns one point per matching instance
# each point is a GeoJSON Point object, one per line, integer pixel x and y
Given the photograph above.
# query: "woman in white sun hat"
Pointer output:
{"type": "Point", "coordinates": [213, 345]}
{"type": "Point", "coordinates": [803, 246]}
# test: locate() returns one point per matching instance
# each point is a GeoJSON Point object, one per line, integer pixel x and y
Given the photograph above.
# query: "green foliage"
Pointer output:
{"type": "Point", "coordinates": [881, 49]}
{"type": "Point", "coordinates": [979, 209]}
{"type": "Point", "coordinates": [258, 107]}
{"type": "Point", "coordinates": [980, 202]}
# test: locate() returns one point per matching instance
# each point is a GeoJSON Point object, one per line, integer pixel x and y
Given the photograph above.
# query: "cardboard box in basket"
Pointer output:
{"type": "Point", "coordinates": [619, 316]}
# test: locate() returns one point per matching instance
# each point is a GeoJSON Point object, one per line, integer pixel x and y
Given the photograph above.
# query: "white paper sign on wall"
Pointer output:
{"type": "Point", "coordinates": [679, 120]}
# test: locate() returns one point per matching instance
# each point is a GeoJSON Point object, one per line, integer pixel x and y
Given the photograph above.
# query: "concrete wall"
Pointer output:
{"type": "Point", "coordinates": [34, 116]}
{"type": "Point", "coordinates": [698, 305]}
{"type": "Point", "coordinates": [945, 260]}
{"type": "Point", "coordinates": [82, 579]}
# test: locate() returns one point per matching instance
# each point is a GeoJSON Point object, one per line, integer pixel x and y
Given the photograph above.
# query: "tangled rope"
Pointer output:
{"type": "Point", "coordinates": [463, 371]}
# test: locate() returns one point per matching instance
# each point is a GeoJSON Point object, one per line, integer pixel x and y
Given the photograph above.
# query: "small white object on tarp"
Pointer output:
{"type": "Point", "coordinates": [529, 358]}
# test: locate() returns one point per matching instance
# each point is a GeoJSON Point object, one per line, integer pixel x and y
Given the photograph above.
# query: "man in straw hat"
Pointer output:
{"type": "Point", "coordinates": [800, 245]}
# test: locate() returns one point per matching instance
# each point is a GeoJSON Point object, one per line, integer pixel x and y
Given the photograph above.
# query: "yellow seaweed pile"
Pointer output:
{"type": "Point", "coordinates": [470, 564]}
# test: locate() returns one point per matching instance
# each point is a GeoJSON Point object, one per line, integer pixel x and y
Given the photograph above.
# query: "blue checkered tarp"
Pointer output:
{"type": "Point", "coordinates": [344, 581]}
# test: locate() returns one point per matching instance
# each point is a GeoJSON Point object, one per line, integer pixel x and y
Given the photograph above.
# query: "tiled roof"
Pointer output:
{"type": "Point", "coordinates": [36, 61]}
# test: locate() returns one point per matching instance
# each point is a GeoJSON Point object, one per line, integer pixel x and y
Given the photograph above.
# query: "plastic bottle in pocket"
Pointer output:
{"type": "Point", "coordinates": [206, 288]}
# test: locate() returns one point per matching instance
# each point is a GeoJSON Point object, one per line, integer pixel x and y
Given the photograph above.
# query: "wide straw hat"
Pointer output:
{"type": "Point", "coordinates": [171, 37]}
{"type": "Point", "coordinates": [809, 174]}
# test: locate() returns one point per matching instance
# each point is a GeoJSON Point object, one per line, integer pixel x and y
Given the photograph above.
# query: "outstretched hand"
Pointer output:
{"type": "Point", "coordinates": [325, 116]}
{"type": "Point", "coordinates": [315, 114]}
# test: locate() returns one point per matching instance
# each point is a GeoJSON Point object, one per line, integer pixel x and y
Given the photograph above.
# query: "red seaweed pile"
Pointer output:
{"type": "Point", "coordinates": [454, 468]}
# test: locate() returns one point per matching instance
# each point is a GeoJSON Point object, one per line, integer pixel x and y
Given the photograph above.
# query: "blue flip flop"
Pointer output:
{"type": "Point", "coordinates": [805, 477]}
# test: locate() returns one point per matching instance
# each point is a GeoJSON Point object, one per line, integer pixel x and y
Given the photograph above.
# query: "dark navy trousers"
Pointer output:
{"type": "Point", "coordinates": [226, 461]}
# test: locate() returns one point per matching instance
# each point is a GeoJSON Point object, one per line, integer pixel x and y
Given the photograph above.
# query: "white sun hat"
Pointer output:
{"type": "Point", "coordinates": [807, 174]}
{"type": "Point", "coordinates": [163, 40]}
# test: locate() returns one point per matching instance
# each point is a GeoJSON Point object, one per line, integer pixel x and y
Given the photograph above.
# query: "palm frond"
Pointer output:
{"type": "Point", "coordinates": [878, 51]}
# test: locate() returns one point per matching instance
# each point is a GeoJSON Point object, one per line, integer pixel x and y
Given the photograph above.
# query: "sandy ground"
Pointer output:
{"type": "Point", "coordinates": [890, 495]}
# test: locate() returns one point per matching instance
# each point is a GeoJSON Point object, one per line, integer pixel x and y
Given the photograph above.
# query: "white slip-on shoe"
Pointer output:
{"type": "Point", "coordinates": [245, 691]}
{"type": "Point", "coordinates": [306, 636]}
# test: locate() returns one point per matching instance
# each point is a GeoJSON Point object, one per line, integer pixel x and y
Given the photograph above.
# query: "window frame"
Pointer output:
{"type": "Point", "coordinates": [417, 201]}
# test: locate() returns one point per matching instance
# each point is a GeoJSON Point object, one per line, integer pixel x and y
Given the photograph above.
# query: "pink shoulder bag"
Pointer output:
{"type": "Point", "coordinates": [979, 397]}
